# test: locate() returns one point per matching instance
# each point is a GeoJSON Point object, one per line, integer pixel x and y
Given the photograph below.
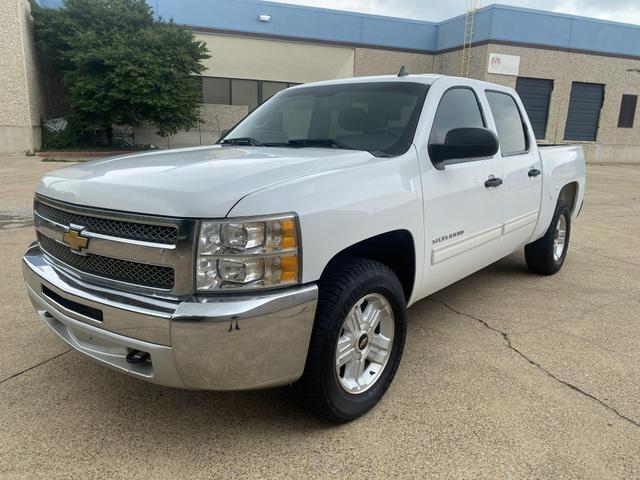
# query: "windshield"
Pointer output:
{"type": "Point", "coordinates": [378, 117]}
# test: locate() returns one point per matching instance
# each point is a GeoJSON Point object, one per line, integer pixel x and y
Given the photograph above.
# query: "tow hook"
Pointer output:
{"type": "Point", "coordinates": [137, 356]}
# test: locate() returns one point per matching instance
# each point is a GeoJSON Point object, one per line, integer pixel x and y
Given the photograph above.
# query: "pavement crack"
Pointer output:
{"type": "Point", "coordinates": [33, 366]}
{"type": "Point", "coordinates": [505, 337]}
{"type": "Point", "coordinates": [598, 254]}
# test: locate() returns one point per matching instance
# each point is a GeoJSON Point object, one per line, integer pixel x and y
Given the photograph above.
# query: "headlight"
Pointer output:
{"type": "Point", "coordinates": [248, 254]}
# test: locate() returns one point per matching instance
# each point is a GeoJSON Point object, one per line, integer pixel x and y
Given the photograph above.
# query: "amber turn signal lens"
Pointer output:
{"type": "Point", "coordinates": [288, 234]}
{"type": "Point", "coordinates": [289, 269]}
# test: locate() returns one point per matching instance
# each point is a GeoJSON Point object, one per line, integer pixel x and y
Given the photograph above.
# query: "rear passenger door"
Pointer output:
{"type": "Point", "coordinates": [521, 168]}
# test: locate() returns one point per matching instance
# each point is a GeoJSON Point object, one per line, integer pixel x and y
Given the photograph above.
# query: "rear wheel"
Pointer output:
{"type": "Point", "coordinates": [547, 254]}
{"type": "Point", "coordinates": [357, 340]}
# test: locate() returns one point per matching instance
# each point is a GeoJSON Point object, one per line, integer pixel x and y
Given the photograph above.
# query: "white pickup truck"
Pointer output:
{"type": "Point", "coordinates": [289, 252]}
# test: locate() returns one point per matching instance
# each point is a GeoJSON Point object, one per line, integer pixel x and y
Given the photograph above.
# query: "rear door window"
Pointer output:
{"type": "Point", "coordinates": [509, 124]}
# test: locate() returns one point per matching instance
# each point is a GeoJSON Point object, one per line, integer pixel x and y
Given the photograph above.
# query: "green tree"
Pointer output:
{"type": "Point", "coordinates": [120, 66]}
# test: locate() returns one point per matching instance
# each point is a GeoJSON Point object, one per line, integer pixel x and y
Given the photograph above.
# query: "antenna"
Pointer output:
{"type": "Point", "coordinates": [403, 72]}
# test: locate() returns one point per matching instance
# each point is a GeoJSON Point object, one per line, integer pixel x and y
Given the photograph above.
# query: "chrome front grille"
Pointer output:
{"type": "Point", "coordinates": [106, 226]}
{"type": "Point", "coordinates": [132, 252]}
{"type": "Point", "coordinates": [115, 269]}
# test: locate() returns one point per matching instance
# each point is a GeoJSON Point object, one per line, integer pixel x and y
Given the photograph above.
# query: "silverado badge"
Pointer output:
{"type": "Point", "coordinates": [448, 236]}
{"type": "Point", "coordinates": [75, 240]}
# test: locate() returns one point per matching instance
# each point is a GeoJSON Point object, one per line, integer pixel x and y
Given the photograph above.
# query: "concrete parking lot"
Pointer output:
{"type": "Point", "coordinates": [505, 375]}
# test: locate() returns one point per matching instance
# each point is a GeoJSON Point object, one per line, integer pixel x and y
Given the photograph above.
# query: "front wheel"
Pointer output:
{"type": "Point", "coordinates": [546, 255]}
{"type": "Point", "coordinates": [357, 340]}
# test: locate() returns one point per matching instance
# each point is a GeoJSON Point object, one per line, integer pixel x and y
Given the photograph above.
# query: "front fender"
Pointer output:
{"type": "Point", "coordinates": [340, 208]}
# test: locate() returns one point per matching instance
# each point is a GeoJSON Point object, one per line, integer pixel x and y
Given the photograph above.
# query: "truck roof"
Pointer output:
{"type": "Point", "coordinates": [426, 78]}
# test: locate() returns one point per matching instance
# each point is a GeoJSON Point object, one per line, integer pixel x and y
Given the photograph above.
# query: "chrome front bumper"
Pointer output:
{"type": "Point", "coordinates": [225, 342]}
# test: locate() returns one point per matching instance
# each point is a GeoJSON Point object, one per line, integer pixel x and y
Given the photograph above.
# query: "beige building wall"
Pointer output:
{"type": "Point", "coordinates": [450, 63]}
{"type": "Point", "coordinates": [20, 90]}
{"type": "Point", "coordinates": [302, 62]}
{"type": "Point", "coordinates": [370, 61]}
{"type": "Point", "coordinates": [276, 60]}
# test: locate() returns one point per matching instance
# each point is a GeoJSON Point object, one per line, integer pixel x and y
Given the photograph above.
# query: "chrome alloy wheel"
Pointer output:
{"type": "Point", "coordinates": [364, 344]}
{"type": "Point", "coordinates": [559, 238]}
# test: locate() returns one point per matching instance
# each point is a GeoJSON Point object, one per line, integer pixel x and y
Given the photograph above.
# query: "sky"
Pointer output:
{"type": "Point", "coordinates": [627, 11]}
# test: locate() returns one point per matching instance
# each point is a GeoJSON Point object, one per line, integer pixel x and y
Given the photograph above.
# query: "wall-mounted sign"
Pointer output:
{"type": "Point", "coordinates": [503, 64]}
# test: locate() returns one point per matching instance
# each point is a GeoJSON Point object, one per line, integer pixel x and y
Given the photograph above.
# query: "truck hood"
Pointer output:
{"type": "Point", "coordinates": [196, 182]}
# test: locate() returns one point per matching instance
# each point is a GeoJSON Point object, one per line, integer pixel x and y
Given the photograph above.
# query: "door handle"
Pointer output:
{"type": "Point", "coordinates": [534, 172]}
{"type": "Point", "coordinates": [493, 182]}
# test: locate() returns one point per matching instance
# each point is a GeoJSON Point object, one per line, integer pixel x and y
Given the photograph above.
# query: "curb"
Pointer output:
{"type": "Point", "coordinates": [85, 154]}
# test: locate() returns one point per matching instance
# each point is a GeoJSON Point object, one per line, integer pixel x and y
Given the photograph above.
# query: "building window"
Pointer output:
{"type": "Point", "coordinates": [244, 92]}
{"type": "Point", "coordinates": [216, 90]}
{"type": "Point", "coordinates": [269, 89]}
{"type": "Point", "coordinates": [627, 111]}
{"type": "Point", "coordinates": [583, 116]}
{"type": "Point", "coordinates": [235, 91]}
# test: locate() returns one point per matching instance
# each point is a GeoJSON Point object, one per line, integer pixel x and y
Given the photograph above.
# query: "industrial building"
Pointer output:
{"type": "Point", "coordinates": [579, 78]}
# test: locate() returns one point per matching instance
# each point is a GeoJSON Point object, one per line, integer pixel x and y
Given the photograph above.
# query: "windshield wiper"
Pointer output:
{"type": "Point", "coordinates": [323, 142]}
{"type": "Point", "coordinates": [313, 142]}
{"type": "Point", "coordinates": [242, 141]}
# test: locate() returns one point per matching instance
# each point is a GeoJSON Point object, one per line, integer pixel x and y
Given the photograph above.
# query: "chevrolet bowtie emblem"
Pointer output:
{"type": "Point", "coordinates": [75, 240]}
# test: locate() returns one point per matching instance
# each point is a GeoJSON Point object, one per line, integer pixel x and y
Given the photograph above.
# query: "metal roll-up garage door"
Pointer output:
{"type": "Point", "coordinates": [584, 111]}
{"type": "Point", "coordinates": [535, 94]}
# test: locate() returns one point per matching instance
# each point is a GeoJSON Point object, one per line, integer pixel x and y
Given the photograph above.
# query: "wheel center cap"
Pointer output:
{"type": "Point", "coordinates": [363, 341]}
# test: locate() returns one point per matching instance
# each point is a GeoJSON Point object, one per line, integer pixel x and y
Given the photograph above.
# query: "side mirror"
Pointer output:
{"type": "Point", "coordinates": [460, 143]}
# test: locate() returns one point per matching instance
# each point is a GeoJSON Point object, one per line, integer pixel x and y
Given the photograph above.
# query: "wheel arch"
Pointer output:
{"type": "Point", "coordinates": [569, 195]}
{"type": "Point", "coordinates": [395, 249]}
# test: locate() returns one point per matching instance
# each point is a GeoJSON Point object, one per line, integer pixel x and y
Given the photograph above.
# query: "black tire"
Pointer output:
{"type": "Point", "coordinates": [539, 254]}
{"type": "Point", "coordinates": [319, 390]}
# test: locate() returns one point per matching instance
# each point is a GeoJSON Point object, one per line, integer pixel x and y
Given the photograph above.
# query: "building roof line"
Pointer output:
{"type": "Point", "coordinates": [479, 43]}
{"type": "Point", "coordinates": [322, 25]}
{"type": "Point", "coordinates": [315, 41]}
{"type": "Point", "coordinates": [572, 16]}
{"type": "Point", "coordinates": [267, 3]}
{"type": "Point", "coordinates": [509, 43]}
{"type": "Point", "coordinates": [502, 6]}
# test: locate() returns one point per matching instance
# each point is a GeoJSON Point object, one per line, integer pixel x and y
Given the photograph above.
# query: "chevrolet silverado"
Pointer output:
{"type": "Point", "coordinates": [288, 253]}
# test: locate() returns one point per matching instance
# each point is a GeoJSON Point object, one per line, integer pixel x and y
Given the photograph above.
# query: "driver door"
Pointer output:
{"type": "Point", "coordinates": [463, 212]}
